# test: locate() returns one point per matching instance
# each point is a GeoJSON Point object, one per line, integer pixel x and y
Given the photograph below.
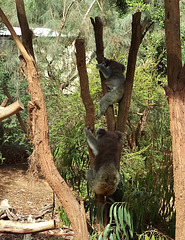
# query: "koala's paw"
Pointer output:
{"type": "Point", "coordinates": [99, 116]}
{"type": "Point", "coordinates": [88, 128]}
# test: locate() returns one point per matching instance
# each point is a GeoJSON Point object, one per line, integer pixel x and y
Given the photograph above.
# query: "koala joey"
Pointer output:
{"type": "Point", "coordinates": [104, 176]}
{"type": "Point", "coordinates": [113, 73]}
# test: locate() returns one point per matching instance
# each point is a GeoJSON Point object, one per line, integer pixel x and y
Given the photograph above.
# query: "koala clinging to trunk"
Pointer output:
{"type": "Point", "coordinates": [113, 72]}
{"type": "Point", "coordinates": [104, 177]}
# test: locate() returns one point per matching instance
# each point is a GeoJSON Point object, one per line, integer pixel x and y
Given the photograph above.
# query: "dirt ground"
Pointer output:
{"type": "Point", "coordinates": [26, 197]}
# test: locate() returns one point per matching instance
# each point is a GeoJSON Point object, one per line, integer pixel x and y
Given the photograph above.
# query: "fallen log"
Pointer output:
{"type": "Point", "coordinates": [7, 226]}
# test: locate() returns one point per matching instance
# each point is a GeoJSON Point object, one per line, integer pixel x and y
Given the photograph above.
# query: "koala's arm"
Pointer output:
{"type": "Point", "coordinates": [92, 141]}
{"type": "Point", "coordinates": [106, 70]}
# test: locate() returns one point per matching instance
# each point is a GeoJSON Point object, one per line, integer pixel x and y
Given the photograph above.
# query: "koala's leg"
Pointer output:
{"type": "Point", "coordinates": [107, 100]}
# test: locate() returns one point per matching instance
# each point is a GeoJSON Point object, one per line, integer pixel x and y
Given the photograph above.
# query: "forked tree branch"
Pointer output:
{"type": "Point", "coordinates": [138, 32]}
{"type": "Point", "coordinates": [98, 33]}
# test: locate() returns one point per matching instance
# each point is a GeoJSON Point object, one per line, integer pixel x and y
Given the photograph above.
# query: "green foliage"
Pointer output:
{"type": "Point", "coordinates": [153, 234]}
{"type": "Point", "coordinates": [63, 217]}
{"type": "Point", "coordinates": [133, 163]}
{"type": "Point", "coordinates": [1, 158]}
{"type": "Point", "coordinates": [120, 224]}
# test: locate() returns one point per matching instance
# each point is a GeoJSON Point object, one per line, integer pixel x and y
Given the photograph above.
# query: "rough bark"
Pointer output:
{"type": "Point", "coordinates": [98, 33]}
{"type": "Point", "coordinates": [40, 140]}
{"type": "Point", "coordinates": [84, 88]}
{"type": "Point", "coordinates": [176, 98]}
{"type": "Point", "coordinates": [6, 112]}
{"type": "Point", "coordinates": [173, 44]}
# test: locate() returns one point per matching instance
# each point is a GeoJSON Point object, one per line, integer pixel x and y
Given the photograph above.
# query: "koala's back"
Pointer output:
{"type": "Point", "coordinates": [108, 151]}
{"type": "Point", "coordinates": [106, 180]}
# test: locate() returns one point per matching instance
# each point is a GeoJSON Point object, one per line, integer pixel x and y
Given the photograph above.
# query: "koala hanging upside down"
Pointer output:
{"type": "Point", "coordinates": [113, 72]}
{"type": "Point", "coordinates": [104, 177]}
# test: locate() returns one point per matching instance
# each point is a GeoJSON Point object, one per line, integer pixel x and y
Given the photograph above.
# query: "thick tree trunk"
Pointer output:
{"type": "Point", "coordinates": [39, 135]}
{"type": "Point", "coordinates": [176, 102]}
{"type": "Point", "coordinates": [176, 98]}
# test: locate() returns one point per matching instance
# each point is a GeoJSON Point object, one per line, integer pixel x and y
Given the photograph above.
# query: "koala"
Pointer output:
{"type": "Point", "coordinates": [104, 176]}
{"type": "Point", "coordinates": [113, 73]}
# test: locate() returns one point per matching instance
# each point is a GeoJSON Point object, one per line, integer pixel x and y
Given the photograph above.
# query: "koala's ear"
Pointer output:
{"type": "Point", "coordinates": [100, 132]}
{"type": "Point", "coordinates": [119, 135]}
{"type": "Point", "coordinates": [106, 61]}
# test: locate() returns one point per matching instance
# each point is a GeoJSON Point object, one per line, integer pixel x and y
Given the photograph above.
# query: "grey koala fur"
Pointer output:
{"type": "Point", "coordinates": [113, 73]}
{"type": "Point", "coordinates": [104, 176]}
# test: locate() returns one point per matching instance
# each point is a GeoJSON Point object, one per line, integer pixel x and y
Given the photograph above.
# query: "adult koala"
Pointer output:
{"type": "Point", "coordinates": [115, 80]}
{"type": "Point", "coordinates": [104, 176]}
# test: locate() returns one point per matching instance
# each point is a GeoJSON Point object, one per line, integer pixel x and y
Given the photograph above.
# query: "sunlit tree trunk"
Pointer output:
{"type": "Point", "coordinates": [176, 98]}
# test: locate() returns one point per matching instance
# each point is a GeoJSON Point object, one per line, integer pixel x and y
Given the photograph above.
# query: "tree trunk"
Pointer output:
{"type": "Point", "coordinates": [176, 98]}
{"type": "Point", "coordinates": [39, 135]}
{"type": "Point", "coordinates": [138, 32]}
{"type": "Point", "coordinates": [84, 88]}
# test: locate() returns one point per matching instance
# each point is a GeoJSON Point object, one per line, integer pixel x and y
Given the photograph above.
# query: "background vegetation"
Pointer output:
{"type": "Point", "coordinates": [143, 205]}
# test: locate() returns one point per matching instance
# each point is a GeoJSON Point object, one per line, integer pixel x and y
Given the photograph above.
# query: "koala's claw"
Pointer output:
{"type": "Point", "coordinates": [88, 128]}
{"type": "Point", "coordinates": [99, 116]}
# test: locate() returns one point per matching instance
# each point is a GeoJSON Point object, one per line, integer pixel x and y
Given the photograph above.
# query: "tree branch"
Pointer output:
{"type": "Point", "coordinates": [15, 37]}
{"type": "Point", "coordinates": [18, 227]}
{"type": "Point", "coordinates": [27, 34]}
{"type": "Point", "coordinates": [65, 13]}
{"type": "Point", "coordinates": [23, 126]}
{"type": "Point", "coordinates": [138, 32]}
{"type": "Point", "coordinates": [98, 32]}
{"type": "Point", "coordinates": [84, 87]}
{"type": "Point", "coordinates": [6, 112]}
